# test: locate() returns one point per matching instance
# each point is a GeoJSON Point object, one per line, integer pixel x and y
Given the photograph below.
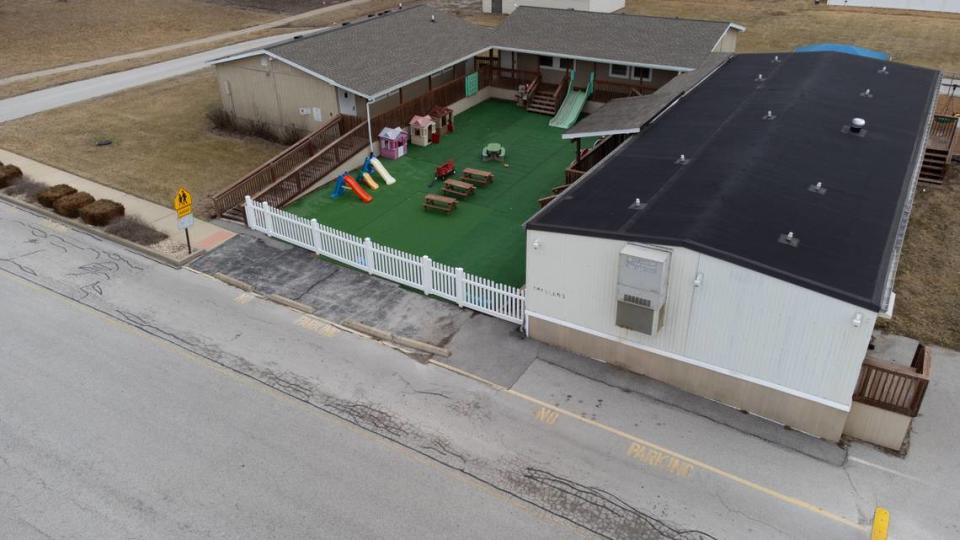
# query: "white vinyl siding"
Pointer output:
{"type": "Point", "coordinates": [737, 319]}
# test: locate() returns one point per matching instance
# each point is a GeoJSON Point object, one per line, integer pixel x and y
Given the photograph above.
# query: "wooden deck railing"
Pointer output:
{"type": "Point", "coordinates": [509, 78]}
{"type": "Point", "coordinates": [943, 129]}
{"type": "Point", "coordinates": [268, 173]}
{"type": "Point", "coordinates": [443, 95]}
{"type": "Point", "coordinates": [561, 92]}
{"type": "Point", "coordinates": [895, 387]}
{"type": "Point", "coordinates": [591, 157]}
{"type": "Point", "coordinates": [314, 169]}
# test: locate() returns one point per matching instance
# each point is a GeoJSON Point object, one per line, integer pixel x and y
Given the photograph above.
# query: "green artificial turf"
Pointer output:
{"type": "Point", "coordinates": [484, 235]}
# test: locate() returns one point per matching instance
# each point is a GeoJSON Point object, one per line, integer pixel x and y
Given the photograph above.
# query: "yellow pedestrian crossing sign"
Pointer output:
{"type": "Point", "coordinates": [183, 202]}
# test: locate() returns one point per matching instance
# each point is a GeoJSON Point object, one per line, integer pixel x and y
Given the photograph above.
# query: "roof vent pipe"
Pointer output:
{"type": "Point", "coordinates": [682, 160]}
{"type": "Point", "coordinates": [769, 116]}
{"type": "Point", "coordinates": [433, 18]}
{"type": "Point", "coordinates": [867, 93]}
{"type": "Point", "coordinates": [776, 59]}
{"type": "Point", "coordinates": [759, 77]}
{"type": "Point", "coordinates": [883, 71]}
{"type": "Point", "coordinates": [857, 125]}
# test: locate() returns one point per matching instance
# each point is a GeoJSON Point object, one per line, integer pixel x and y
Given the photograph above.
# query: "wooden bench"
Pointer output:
{"type": "Point", "coordinates": [458, 188]}
{"type": "Point", "coordinates": [439, 202]}
{"type": "Point", "coordinates": [478, 177]}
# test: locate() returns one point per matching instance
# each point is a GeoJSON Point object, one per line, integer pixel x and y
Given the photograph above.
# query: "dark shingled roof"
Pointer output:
{"type": "Point", "coordinates": [628, 39]}
{"type": "Point", "coordinates": [747, 181]}
{"type": "Point", "coordinates": [629, 114]}
{"type": "Point", "coordinates": [382, 52]}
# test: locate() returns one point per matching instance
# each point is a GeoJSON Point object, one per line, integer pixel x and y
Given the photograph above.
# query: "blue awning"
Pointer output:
{"type": "Point", "coordinates": [844, 48]}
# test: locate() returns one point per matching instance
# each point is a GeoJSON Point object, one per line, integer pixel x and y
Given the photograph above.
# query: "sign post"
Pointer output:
{"type": "Point", "coordinates": [183, 204]}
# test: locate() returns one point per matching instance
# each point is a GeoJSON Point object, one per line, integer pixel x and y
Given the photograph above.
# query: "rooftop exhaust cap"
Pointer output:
{"type": "Point", "coordinates": [857, 125]}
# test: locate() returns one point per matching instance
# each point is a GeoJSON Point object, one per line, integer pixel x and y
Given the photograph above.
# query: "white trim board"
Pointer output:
{"type": "Point", "coordinates": [592, 59]}
{"type": "Point", "coordinates": [680, 358]}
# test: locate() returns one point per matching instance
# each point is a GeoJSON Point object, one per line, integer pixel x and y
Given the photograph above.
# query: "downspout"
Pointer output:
{"type": "Point", "coordinates": [369, 127]}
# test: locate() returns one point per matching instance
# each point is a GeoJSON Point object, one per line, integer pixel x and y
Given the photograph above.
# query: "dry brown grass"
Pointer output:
{"type": "Point", "coordinates": [348, 13]}
{"type": "Point", "coordinates": [32, 85]}
{"type": "Point", "coordinates": [161, 139]}
{"type": "Point", "coordinates": [40, 34]}
{"type": "Point", "coordinates": [928, 281]}
{"type": "Point", "coordinates": [926, 39]}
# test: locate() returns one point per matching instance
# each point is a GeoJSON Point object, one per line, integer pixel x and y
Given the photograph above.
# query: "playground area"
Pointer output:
{"type": "Point", "coordinates": [484, 233]}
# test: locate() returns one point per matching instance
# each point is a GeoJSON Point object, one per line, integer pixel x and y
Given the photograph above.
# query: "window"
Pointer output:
{"type": "Point", "coordinates": [642, 73]}
{"type": "Point", "coordinates": [553, 62]}
{"type": "Point", "coordinates": [619, 72]}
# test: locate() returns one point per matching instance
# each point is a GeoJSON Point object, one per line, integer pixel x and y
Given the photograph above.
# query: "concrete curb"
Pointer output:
{"type": "Point", "coordinates": [234, 282]}
{"type": "Point", "coordinates": [83, 227]}
{"type": "Point", "coordinates": [288, 302]}
{"type": "Point", "coordinates": [399, 340]}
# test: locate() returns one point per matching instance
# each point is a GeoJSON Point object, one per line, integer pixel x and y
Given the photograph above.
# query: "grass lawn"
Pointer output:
{"type": "Point", "coordinates": [161, 139]}
{"type": "Point", "coordinates": [484, 235]}
{"type": "Point", "coordinates": [924, 38]}
{"type": "Point", "coordinates": [928, 286]}
{"type": "Point", "coordinates": [40, 34]}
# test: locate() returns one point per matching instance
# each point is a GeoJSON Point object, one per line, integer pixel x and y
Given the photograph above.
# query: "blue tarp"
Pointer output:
{"type": "Point", "coordinates": [844, 48]}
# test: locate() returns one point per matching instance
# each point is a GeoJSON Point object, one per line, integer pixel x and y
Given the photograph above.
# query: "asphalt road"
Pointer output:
{"type": "Point", "coordinates": [141, 401]}
{"type": "Point", "coordinates": [75, 92]}
{"type": "Point", "coordinates": [109, 432]}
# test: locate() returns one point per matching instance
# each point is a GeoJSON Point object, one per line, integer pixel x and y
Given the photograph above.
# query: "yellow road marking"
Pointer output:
{"type": "Point", "coordinates": [244, 298]}
{"type": "Point", "coordinates": [316, 326]}
{"type": "Point", "coordinates": [547, 416]}
{"type": "Point", "coordinates": [881, 522]}
{"type": "Point", "coordinates": [793, 501]}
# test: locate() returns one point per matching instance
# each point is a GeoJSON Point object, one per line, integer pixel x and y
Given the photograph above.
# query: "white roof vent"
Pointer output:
{"type": "Point", "coordinates": [769, 116]}
{"type": "Point", "coordinates": [866, 93]}
{"type": "Point", "coordinates": [857, 125]}
{"type": "Point", "coordinates": [759, 78]}
{"type": "Point", "coordinates": [682, 160]}
{"type": "Point", "coordinates": [789, 239]}
{"type": "Point", "coordinates": [817, 188]}
{"type": "Point", "coordinates": [883, 71]}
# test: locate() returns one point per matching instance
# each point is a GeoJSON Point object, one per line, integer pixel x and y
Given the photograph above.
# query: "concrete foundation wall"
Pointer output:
{"type": "Point", "coordinates": [878, 426]}
{"type": "Point", "coordinates": [798, 413]}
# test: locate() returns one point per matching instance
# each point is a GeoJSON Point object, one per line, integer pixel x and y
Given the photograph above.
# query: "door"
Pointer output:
{"type": "Point", "coordinates": [496, 6]}
{"type": "Point", "coordinates": [347, 102]}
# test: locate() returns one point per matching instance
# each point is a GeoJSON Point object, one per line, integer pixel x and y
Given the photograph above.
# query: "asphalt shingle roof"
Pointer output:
{"type": "Point", "coordinates": [377, 54]}
{"type": "Point", "coordinates": [629, 114]}
{"type": "Point", "coordinates": [628, 39]}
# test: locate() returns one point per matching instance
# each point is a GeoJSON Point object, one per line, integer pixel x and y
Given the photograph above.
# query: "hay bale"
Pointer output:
{"type": "Point", "coordinates": [70, 205]}
{"type": "Point", "coordinates": [101, 213]}
{"type": "Point", "coordinates": [49, 196]}
{"type": "Point", "coordinates": [9, 174]}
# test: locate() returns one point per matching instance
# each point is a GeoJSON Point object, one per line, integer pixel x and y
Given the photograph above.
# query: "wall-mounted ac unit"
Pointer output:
{"type": "Point", "coordinates": [642, 288]}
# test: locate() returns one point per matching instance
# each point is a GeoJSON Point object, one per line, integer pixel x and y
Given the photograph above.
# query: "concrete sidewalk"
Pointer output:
{"type": "Point", "coordinates": [203, 235]}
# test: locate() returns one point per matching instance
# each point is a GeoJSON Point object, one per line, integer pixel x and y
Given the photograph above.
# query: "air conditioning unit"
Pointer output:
{"type": "Point", "coordinates": [642, 288]}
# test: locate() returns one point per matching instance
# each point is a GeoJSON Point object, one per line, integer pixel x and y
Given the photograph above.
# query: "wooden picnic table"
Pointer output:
{"type": "Point", "coordinates": [476, 176]}
{"type": "Point", "coordinates": [439, 202]}
{"type": "Point", "coordinates": [458, 188]}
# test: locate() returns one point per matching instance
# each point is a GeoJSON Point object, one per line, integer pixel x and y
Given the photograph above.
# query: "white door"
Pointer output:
{"type": "Point", "coordinates": [348, 104]}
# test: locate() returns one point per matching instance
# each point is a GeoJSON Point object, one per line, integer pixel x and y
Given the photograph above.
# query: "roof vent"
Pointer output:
{"type": "Point", "coordinates": [857, 126]}
{"type": "Point", "coordinates": [682, 160]}
{"type": "Point", "coordinates": [866, 93]}
{"type": "Point", "coordinates": [759, 78]}
{"type": "Point", "coordinates": [883, 70]}
{"type": "Point", "coordinates": [776, 59]}
{"type": "Point", "coordinates": [817, 188]}
{"type": "Point", "coordinates": [769, 116]}
{"type": "Point", "coordinates": [433, 18]}
{"type": "Point", "coordinates": [637, 205]}
{"type": "Point", "coordinates": [789, 239]}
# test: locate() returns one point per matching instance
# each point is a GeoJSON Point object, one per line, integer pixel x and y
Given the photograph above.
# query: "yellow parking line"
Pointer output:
{"type": "Point", "coordinates": [793, 501]}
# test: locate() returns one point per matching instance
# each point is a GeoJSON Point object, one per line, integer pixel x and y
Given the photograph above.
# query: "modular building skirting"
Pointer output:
{"type": "Point", "coordinates": [790, 410]}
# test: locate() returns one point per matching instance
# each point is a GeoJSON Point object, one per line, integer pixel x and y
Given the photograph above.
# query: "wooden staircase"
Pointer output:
{"type": "Point", "coordinates": [543, 101]}
{"type": "Point", "coordinates": [934, 167]}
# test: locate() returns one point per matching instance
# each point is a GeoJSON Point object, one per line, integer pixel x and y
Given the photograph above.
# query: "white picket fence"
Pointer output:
{"type": "Point", "coordinates": [431, 277]}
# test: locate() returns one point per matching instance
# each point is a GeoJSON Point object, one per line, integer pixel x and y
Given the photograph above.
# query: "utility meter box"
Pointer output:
{"type": "Point", "coordinates": [642, 288]}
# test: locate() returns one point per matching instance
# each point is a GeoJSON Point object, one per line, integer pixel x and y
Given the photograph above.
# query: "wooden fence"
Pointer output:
{"type": "Point", "coordinates": [433, 278]}
{"type": "Point", "coordinates": [894, 387]}
{"type": "Point", "coordinates": [270, 172]}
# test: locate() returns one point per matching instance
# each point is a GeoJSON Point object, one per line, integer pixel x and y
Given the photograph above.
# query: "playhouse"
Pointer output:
{"type": "Point", "coordinates": [393, 142]}
{"type": "Point", "coordinates": [444, 117]}
{"type": "Point", "coordinates": [422, 129]}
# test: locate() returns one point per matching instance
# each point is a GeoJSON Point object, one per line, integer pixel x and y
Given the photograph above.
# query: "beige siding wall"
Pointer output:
{"type": "Point", "coordinates": [878, 426]}
{"type": "Point", "coordinates": [728, 43]}
{"type": "Point", "coordinates": [800, 414]}
{"type": "Point", "coordinates": [273, 92]}
{"type": "Point", "coordinates": [737, 321]}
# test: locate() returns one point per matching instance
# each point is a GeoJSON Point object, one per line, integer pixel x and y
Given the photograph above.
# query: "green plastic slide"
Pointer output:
{"type": "Point", "coordinates": [572, 105]}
